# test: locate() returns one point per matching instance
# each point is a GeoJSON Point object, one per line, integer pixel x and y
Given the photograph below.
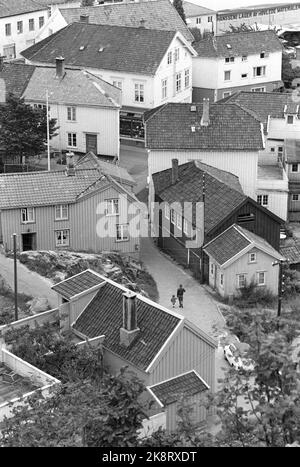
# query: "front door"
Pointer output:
{"type": "Point", "coordinates": [29, 241]}
{"type": "Point", "coordinates": [91, 143]}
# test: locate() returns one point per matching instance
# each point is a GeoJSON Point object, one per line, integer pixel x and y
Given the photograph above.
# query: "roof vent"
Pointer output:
{"type": "Point", "coordinates": [193, 108]}
{"type": "Point", "coordinates": [193, 129]}
{"type": "Point", "coordinates": [82, 47]}
{"type": "Point", "coordinates": [101, 49]}
{"type": "Point", "coordinates": [228, 46]}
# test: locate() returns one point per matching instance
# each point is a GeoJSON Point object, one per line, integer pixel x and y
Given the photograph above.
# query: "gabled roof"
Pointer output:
{"type": "Point", "coordinates": [19, 7]}
{"type": "Point", "coordinates": [291, 253]}
{"type": "Point", "coordinates": [191, 10]}
{"type": "Point", "coordinates": [171, 390]}
{"type": "Point", "coordinates": [238, 44]}
{"type": "Point", "coordinates": [16, 77]}
{"type": "Point", "coordinates": [77, 87]}
{"type": "Point", "coordinates": [223, 192]}
{"type": "Point", "coordinates": [234, 242]}
{"type": "Point", "coordinates": [159, 14]}
{"type": "Point", "coordinates": [103, 316]}
{"type": "Point", "coordinates": [170, 127]}
{"type": "Point", "coordinates": [75, 285]}
{"type": "Point", "coordinates": [116, 48]}
{"type": "Point", "coordinates": [90, 161]}
{"type": "Point", "coordinates": [19, 190]}
{"type": "Point", "coordinates": [262, 104]}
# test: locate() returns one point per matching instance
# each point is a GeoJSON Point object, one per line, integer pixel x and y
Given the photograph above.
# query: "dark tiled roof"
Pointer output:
{"type": "Point", "coordinates": [242, 43]}
{"type": "Point", "coordinates": [262, 104]}
{"type": "Point", "coordinates": [77, 284]}
{"type": "Point", "coordinates": [233, 241]}
{"type": "Point", "coordinates": [48, 188]}
{"type": "Point", "coordinates": [159, 14]}
{"type": "Point", "coordinates": [292, 150]}
{"type": "Point", "coordinates": [291, 253]}
{"type": "Point", "coordinates": [90, 161]}
{"type": "Point", "coordinates": [16, 77]}
{"type": "Point", "coordinates": [191, 10]}
{"type": "Point", "coordinates": [77, 88]}
{"type": "Point", "coordinates": [18, 7]}
{"type": "Point", "coordinates": [185, 385]}
{"type": "Point", "coordinates": [170, 128]}
{"type": "Point", "coordinates": [223, 192]}
{"type": "Point", "coordinates": [132, 50]}
{"type": "Point", "coordinates": [103, 316]}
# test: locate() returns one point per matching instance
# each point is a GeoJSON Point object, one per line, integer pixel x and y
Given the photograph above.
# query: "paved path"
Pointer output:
{"type": "Point", "coordinates": [199, 307]}
{"type": "Point", "coordinates": [29, 282]}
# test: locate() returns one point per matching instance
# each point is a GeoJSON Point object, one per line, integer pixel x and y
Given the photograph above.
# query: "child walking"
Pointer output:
{"type": "Point", "coordinates": [173, 300]}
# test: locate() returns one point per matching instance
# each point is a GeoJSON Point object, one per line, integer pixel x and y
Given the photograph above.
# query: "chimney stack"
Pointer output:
{"type": "Point", "coordinates": [174, 171]}
{"type": "Point", "coordinates": [205, 115]}
{"type": "Point", "coordinates": [60, 67]}
{"type": "Point", "coordinates": [70, 169]}
{"type": "Point", "coordinates": [84, 18]}
{"type": "Point", "coordinates": [129, 330]}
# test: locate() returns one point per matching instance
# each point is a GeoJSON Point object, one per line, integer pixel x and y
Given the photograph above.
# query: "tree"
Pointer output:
{"type": "Point", "coordinates": [87, 2]}
{"type": "Point", "coordinates": [23, 129]}
{"type": "Point", "coordinates": [177, 4]}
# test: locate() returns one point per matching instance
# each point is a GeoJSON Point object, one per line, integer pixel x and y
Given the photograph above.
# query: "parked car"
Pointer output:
{"type": "Point", "coordinates": [235, 359]}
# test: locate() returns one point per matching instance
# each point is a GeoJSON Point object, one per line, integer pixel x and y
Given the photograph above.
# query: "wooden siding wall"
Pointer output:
{"type": "Point", "coordinates": [263, 225]}
{"type": "Point", "coordinates": [187, 352]}
{"type": "Point", "coordinates": [82, 223]}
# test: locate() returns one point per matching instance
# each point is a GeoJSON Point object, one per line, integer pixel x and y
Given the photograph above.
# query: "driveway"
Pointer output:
{"type": "Point", "coordinates": [29, 282]}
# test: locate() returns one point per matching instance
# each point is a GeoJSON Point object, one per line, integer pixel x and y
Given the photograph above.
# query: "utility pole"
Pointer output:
{"type": "Point", "coordinates": [280, 284]}
{"type": "Point", "coordinates": [15, 276]}
{"type": "Point", "coordinates": [48, 131]}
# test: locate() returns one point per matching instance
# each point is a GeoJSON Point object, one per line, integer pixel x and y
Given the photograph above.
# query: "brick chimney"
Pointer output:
{"type": "Point", "coordinates": [205, 115]}
{"type": "Point", "coordinates": [174, 171]}
{"type": "Point", "coordinates": [84, 18]}
{"type": "Point", "coordinates": [70, 169]}
{"type": "Point", "coordinates": [60, 67]}
{"type": "Point", "coordinates": [129, 330]}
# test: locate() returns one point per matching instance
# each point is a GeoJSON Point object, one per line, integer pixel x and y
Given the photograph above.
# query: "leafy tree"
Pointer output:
{"type": "Point", "coordinates": [23, 129]}
{"type": "Point", "coordinates": [87, 2]}
{"type": "Point", "coordinates": [198, 35]}
{"type": "Point", "coordinates": [177, 4]}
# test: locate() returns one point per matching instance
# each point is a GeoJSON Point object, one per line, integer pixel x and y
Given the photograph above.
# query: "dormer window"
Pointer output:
{"type": "Point", "coordinates": [244, 58]}
{"type": "Point", "coordinates": [262, 55]}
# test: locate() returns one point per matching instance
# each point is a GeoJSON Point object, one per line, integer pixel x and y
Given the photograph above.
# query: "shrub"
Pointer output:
{"type": "Point", "coordinates": [253, 295]}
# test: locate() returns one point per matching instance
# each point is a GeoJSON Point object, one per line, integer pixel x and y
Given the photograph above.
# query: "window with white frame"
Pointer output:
{"type": "Point", "coordinates": [229, 59]}
{"type": "Point", "coordinates": [164, 88]}
{"type": "Point", "coordinates": [261, 278]}
{"type": "Point", "coordinates": [186, 78]}
{"type": "Point", "coordinates": [9, 51]}
{"type": "Point", "coordinates": [222, 280]}
{"type": "Point", "coordinates": [178, 82]}
{"type": "Point", "coordinates": [295, 167]}
{"type": "Point", "coordinates": [227, 75]}
{"type": "Point", "coordinates": [209, 19]}
{"type": "Point", "coordinates": [167, 211]}
{"type": "Point", "coordinates": [20, 27]}
{"type": "Point", "coordinates": [31, 24]}
{"type": "Point", "coordinates": [176, 54]}
{"type": "Point", "coordinates": [198, 20]}
{"type": "Point", "coordinates": [118, 84]}
{"type": "Point", "coordinates": [259, 71]}
{"type": "Point", "coordinates": [241, 281]}
{"type": "Point", "coordinates": [252, 257]}
{"type": "Point", "coordinates": [71, 114]}
{"type": "Point", "coordinates": [61, 212]}
{"type": "Point", "coordinates": [112, 207]}
{"type": "Point", "coordinates": [261, 89]}
{"type": "Point", "coordinates": [139, 92]}
{"type": "Point", "coordinates": [27, 215]}
{"type": "Point", "coordinates": [295, 197]}
{"type": "Point", "coordinates": [8, 29]}
{"type": "Point", "coordinates": [185, 227]}
{"type": "Point", "coordinates": [122, 232]}
{"type": "Point", "coordinates": [170, 55]}
{"type": "Point", "coordinates": [41, 21]}
{"type": "Point", "coordinates": [263, 200]}
{"type": "Point", "coordinates": [179, 221]}
{"type": "Point", "coordinates": [62, 237]}
{"type": "Point", "coordinates": [72, 140]}
{"type": "Point", "coordinates": [172, 216]}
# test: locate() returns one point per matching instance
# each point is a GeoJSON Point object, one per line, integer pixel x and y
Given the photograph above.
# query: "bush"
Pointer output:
{"type": "Point", "coordinates": [253, 295]}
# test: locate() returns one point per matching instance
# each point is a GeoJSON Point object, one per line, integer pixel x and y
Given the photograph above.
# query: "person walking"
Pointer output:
{"type": "Point", "coordinates": [173, 300]}
{"type": "Point", "coordinates": [180, 292]}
